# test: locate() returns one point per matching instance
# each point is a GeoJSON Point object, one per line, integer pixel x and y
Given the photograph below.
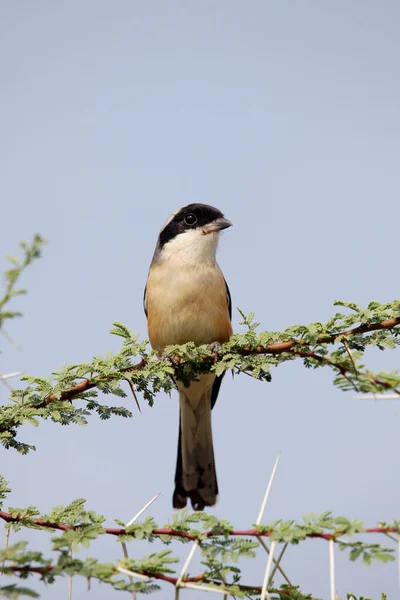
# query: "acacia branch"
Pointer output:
{"type": "Point", "coordinates": [119, 531]}
{"type": "Point", "coordinates": [84, 386]}
{"type": "Point", "coordinates": [274, 349]}
{"type": "Point", "coordinates": [343, 370]}
{"type": "Point", "coordinates": [44, 570]}
{"type": "Point", "coordinates": [325, 339]}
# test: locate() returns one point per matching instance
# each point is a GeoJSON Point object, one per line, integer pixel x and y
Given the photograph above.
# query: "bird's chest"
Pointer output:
{"type": "Point", "coordinates": [186, 304]}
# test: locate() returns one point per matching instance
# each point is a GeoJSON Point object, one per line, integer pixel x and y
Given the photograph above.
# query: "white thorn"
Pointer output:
{"type": "Point", "coordinates": [268, 490]}
{"type": "Point", "coordinates": [141, 511]}
{"type": "Point", "coordinates": [125, 551]}
{"type": "Point", "coordinates": [332, 569]}
{"type": "Point", "coordinates": [185, 566]}
{"type": "Point", "coordinates": [264, 591]}
{"type": "Point", "coordinates": [398, 560]}
{"type": "Point", "coordinates": [203, 588]}
{"type": "Point", "coordinates": [123, 544]}
{"type": "Point", "coordinates": [10, 375]}
{"type": "Point", "coordinates": [70, 579]}
{"type": "Point", "coordinates": [133, 574]}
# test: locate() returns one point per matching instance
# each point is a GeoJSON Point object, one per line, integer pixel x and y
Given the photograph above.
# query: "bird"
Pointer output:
{"type": "Point", "coordinates": [187, 299]}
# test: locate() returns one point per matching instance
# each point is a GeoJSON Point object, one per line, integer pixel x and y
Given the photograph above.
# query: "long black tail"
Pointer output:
{"type": "Point", "coordinates": [195, 475]}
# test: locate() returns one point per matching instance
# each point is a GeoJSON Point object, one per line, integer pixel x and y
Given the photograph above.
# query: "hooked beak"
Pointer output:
{"type": "Point", "coordinates": [217, 225]}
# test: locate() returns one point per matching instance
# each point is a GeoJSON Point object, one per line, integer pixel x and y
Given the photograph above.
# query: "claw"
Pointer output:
{"type": "Point", "coordinates": [216, 348]}
{"type": "Point", "coordinates": [172, 360]}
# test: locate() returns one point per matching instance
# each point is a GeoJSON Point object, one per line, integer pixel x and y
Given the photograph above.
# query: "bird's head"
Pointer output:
{"type": "Point", "coordinates": [191, 234]}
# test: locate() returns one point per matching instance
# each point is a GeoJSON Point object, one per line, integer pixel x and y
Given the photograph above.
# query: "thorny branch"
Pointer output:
{"type": "Point", "coordinates": [49, 570]}
{"type": "Point", "coordinates": [83, 386]}
{"type": "Point", "coordinates": [326, 339]}
{"type": "Point", "coordinates": [251, 352]}
{"type": "Point", "coordinates": [291, 347]}
{"type": "Point", "coordinates": [120, 531]}
{"type": "Point", "coordinates": [43, 570]}
{"type": "Point", "coordinates": [296, 341]}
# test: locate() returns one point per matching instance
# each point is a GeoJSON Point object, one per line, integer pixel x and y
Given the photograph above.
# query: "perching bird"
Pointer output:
{"type": "Point", "coordinates": [187, 300]}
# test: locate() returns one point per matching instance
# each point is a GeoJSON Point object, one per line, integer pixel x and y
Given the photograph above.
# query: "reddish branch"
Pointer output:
{"type": "Point", "coordinates": [174, 580]}
{"type": "Point", "coordinates": [29, 569]}
{"type": "Point", "coordinates": [117, 531]}
{"type": "Point", "coordinates": [343, 370]}
{"type": "Point", "coordinates": [274, 349]}
{"type": "Point", "coordinates": [43, 570]}
{"type": "Point", "coordinates": [325, 339]}
{"type": "Point", "coordinates": [159, 576]}
{"type": "Point", "coordinates": [83, 386]}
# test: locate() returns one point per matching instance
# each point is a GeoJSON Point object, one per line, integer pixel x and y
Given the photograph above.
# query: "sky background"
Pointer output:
{"type": "Point", "coordinates": [284, 115]}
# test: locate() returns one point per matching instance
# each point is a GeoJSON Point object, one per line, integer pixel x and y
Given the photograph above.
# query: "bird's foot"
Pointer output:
{"type": "Point", "coordinates": [174, 361]}
{"type": "Point", "coordinates": [216, 348]}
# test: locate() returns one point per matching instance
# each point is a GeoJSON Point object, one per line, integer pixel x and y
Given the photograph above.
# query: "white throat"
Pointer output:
{"type": "Point", "coordinates": [191, 247]}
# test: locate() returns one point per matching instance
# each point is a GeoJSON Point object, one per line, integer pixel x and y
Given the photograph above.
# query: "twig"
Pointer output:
{"type": "Point", "coordinates": [134, 393]}
{"type": "Point", "coordinates": [353, 385]}
{"type": "Point", "coordinates": [6, 541]}
{"type": "Point", "coordinates": [10, 339]}
{"type": "Point", "coordinates": [392, 537]}
{"type": "Point", "coordinates": [345, 344]}
{"type": "Point", "coordinates": [277, 564]}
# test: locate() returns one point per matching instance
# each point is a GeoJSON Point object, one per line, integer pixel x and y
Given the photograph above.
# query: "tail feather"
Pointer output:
{"type": "Point", "coordinates": [195, 476]}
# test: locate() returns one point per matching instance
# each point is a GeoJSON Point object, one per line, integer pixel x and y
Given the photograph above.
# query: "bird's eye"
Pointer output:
{"type": "Point", "coordinates": [190, 219]}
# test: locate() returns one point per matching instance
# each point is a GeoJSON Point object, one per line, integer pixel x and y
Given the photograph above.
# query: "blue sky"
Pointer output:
{"type": "Point", "coordinates": [285, 116]}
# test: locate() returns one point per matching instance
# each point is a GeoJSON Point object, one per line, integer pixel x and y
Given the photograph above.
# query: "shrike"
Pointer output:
{"type": "Point", "coordinates": [187, 300]}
